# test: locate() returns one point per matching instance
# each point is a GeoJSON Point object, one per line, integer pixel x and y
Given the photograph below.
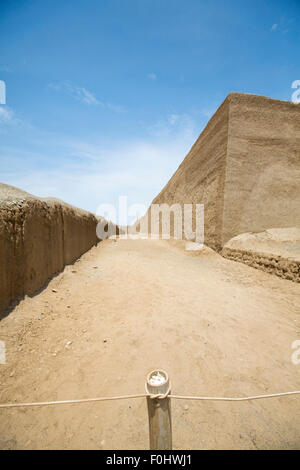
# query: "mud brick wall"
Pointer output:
{"type": "Point", "coordinates": [244, 168]}
{"type": "Point", "coordinates": [38, 237]}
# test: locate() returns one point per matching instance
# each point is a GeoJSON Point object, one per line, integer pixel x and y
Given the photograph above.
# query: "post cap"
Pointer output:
{"type": "Point", "coordinates": [157, 380]}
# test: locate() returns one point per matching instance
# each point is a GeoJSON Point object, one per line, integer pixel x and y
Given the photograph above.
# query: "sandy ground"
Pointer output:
{"type": "Point", "coordinates": [218, 327]}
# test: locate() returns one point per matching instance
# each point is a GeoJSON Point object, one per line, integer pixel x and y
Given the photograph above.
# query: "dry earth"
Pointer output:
{"type": "Point", "coordinates": [218, 327]}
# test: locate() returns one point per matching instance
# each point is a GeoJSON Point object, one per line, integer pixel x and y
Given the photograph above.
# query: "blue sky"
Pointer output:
{"type": "Point", "coordinates": [105, 97]}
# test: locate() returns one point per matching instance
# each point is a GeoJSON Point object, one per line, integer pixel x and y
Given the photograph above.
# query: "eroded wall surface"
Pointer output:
{"type": "Point", "coordinates": [38, 237]}
{"type": "Point", "coordinates": [200, 177]}
{"type": "Point", "coordinates": [244, 168]}
{"type": "Point", "coordinates": [262, 165]}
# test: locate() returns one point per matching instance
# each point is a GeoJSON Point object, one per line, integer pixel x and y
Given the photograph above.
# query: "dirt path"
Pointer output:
{"type": "Point", "coordinates": [218, 328]}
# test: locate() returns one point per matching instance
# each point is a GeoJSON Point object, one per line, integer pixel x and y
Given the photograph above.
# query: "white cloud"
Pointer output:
{"type": "Point", "coordinates": [79, 93]}
{"type": "Point", "coordinates": [82, 150]}
{"type": "Point", "coordinates": [6, 115]}
{"type": "Point", "coordinates": [84, 96]}
{"type": "Point", "coordinates": [138, 168]}
{"type": "Point", "coordinates": [116, 108]}
{"type": "Point", "coordinates": [8, 118]}
{"type": "Point", "coordinates": [284, 25]}
{"type": "Point", "coordinates": [152, 76]}
{"type": "Point", "coordinates": [173, 126]}
{"type": "Point", "coordinates": [173, 118]}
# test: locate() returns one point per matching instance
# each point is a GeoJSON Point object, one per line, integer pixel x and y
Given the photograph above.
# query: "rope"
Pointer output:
{"type": "Point", "coordinates": [143, 395]}
{"type": "Point", "coordinates": [159, 396]}
{"type": "Point", "coordinates": [254, 397]}
{"type": "Point", "coordinates": [68, 402]}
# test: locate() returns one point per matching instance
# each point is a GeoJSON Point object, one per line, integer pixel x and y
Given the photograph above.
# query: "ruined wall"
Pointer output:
{"type": "Point", "coordinates": [272, 264]}
{"type": "Point", "coordinates": [244, 168]}
{"type": "Point", "coordinates": [38, 237]}
{"type": "Point", "coordinates": [263, 165]}
{"type": "Point", "coordinates": [200, 177]}
{"type": "Point", "coordinates": [275, 251]}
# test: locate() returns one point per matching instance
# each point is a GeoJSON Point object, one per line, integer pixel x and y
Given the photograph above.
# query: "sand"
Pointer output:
{"type": "Point", "coordinates": [127, 307]}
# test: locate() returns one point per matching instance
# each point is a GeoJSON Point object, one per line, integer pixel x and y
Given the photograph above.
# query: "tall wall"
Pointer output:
{"type": "Point", "coordinates": [201, 176]}
{"type": "Point", "coordinates": [38, 237]}
{"type": "Point", "coordinates": [244, 168]}
{"type": "Point", "coordinates": [263, 165]}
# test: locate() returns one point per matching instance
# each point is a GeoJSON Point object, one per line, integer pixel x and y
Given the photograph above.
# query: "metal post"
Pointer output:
{"type": "Point", "coordinates": [159, 411]}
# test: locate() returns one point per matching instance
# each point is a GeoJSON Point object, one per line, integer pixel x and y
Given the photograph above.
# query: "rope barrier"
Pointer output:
{"type": "Point", "coordinates": [68, 402]}
{"type": "Point", "coordinates": [143, 395]}
{"type": "Point", "coordinates": [254, 397]}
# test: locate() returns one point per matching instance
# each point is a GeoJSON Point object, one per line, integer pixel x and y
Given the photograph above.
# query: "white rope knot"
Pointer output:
{"type": "Point", "coordinates": [160, 396]}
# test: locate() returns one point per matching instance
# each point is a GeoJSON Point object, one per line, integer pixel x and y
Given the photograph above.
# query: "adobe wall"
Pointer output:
{"type": "Point", "coordinates": [200, 177]}
{"type": "Point", "coordinates": [38, 237]}
{"type": "Point", "coordinates": [262, 165]}
{"type": "Point", "coordinates": [244, 168]}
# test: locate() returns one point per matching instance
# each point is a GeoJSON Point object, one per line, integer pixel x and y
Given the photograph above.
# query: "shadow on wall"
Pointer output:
{"type": "Point", "coordinates": [38, 237]}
